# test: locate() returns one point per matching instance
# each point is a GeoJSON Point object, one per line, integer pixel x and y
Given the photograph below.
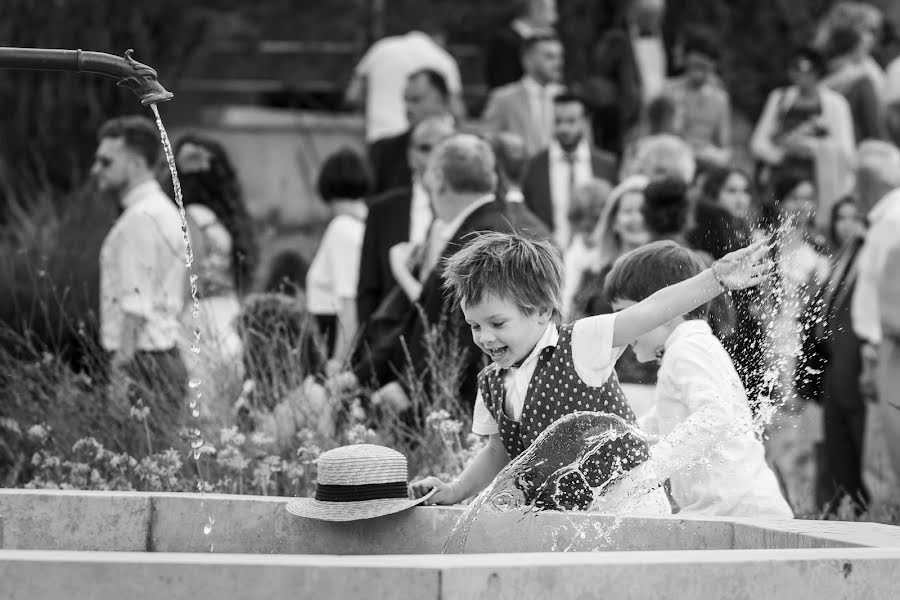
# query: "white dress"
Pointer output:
{"type": "Point", "coordinates": [220, 344]}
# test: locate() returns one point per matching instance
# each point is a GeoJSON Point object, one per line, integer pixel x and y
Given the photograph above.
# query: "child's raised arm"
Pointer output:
{"type": "Point", "coordinates": [737, 270]}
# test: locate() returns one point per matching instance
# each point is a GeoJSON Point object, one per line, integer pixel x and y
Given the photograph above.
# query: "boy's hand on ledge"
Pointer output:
{"type": "Point", "coordinates": [746, 267]}
{"type": "Point", "coordinates": [446, 492]}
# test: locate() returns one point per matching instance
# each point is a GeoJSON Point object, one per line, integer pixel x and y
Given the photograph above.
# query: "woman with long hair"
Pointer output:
{"type": "Point", "coordinates": [620, 230]}
{"type": "Point", "coordinates": [225, 251]}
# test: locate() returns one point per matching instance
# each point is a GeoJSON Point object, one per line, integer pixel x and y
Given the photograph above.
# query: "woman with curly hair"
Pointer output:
{"type": "Point", "coordinates": [225, 250]}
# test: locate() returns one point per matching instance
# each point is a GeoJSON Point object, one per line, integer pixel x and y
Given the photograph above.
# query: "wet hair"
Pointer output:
{"type": "Point", "coordinates": [509, 266]}
{"type": "Point", "coordinates": [344, 175]}
{"type": "Point", "coordinates": [139, 134]}
{"type": "Point", "coordinates": [666, 207]}
{"type": "Point", "coordinates": [435, 80]}
{"type": "Point", "coordinates": [219, 190]}
{"type": "Point", "coordinates": [701, 40]}
{"type": "Point", "coordinates": [644, 271]}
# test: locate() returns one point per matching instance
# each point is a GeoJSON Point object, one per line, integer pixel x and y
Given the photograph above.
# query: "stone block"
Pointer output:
{"type": "Point", "coordinates": [864, 573]}
{"type": "Point", "coordinates": [74, 520]}
{"type": "Point", "coordinates": [149, 576]}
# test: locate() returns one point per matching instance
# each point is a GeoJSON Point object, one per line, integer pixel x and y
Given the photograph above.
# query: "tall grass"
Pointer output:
{"type": "Point", "coordinates": [265, 417]}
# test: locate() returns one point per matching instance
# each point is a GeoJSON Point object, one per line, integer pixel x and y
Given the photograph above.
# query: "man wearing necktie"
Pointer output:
{"type": "Point", "coordinates": [552, 176]}
{"type": "Point", "coordinates": [525, 107]}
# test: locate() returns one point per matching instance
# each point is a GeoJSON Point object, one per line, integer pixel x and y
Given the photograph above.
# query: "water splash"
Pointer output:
{"type": "Point", "coordinates": [195, 383]}
{"type": "Point", "coordinates": [566, 468]}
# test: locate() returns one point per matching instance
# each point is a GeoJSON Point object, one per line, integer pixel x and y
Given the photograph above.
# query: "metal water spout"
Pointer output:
{"type": "Point", "coordinates": [136, 76]}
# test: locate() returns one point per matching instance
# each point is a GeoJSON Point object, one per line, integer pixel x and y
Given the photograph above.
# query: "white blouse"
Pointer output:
{"type": "Point", "coordinates": [334, 272]}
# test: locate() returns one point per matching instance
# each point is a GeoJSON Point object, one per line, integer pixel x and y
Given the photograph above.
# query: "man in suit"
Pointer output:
{"type": "Point", "coordinates": [553, 174]}
{"type": "Point", "coordinates": [844, 408]}
{"type": "Point", "coordinates": [426, 95]}
{"type": "Point", "coordinates": [461, 179]}
{"type": "Point", "coordinates": [526, 106]}
{"type": "Point", "coordinates": [629, 68]}
{"type": "Point", "coordinates": [503, 56]}
{"type": "Point", "coordinates": [400, 215]}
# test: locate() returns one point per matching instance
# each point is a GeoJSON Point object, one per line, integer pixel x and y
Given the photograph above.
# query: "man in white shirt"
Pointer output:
{"type": "Point", "coordinates": [142, 269]}
{"type": "Point", "coordinates": [878, 189]}
{"type": "Point", "coordinates": [526, 106]}
{"type": "Point", "coordinates": [552, 176]}
{"type": "Point", "coordinates": [381, 75]}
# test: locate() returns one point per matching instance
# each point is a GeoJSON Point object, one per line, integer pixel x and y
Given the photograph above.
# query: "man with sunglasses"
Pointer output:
{"type": "Point", "coordinates": [142, 271]}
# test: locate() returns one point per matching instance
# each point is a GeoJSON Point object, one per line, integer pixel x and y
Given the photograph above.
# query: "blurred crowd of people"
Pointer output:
{"type": "Point", "coordinates": [642, 150]}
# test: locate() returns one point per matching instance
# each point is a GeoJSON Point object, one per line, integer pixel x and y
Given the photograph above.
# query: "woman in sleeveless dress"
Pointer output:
{"type": "Point", "coordinates": [225, 253]}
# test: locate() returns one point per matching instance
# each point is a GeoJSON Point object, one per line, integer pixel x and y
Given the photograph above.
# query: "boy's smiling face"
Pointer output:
{"type": "Point", "coordinates": [502, 330]}
{"type": "Point", "coordinates": [650, 346]}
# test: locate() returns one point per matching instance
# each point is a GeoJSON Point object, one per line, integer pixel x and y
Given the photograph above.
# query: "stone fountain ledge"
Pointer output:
{"type": "Point", "coordinates": [138, 545]}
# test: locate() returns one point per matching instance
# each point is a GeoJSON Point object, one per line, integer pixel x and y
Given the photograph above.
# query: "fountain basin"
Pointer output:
{"type": "Point", "coordinates": [106, 544]}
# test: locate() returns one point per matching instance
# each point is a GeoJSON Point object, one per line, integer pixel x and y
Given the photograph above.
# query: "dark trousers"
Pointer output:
{"type": "Point", "coordinates": [842, 454]}
{"type": "Point", "coordinates": [158, 380]}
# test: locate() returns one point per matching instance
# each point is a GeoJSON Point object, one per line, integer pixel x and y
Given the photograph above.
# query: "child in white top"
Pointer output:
{"type": "Point", "coordinates": [708, 450]}
{"type": "Point", "coordinates": [509, 289]}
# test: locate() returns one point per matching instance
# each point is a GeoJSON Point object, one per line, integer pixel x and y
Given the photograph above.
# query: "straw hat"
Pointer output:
{"type": "Point", "coordinates": [357, 482]}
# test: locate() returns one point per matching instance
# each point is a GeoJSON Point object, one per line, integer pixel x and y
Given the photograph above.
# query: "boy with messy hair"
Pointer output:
{"type": "Point", "coordinates": [509, 288]}
{"type": "Point", "coordinates": [710, 453]}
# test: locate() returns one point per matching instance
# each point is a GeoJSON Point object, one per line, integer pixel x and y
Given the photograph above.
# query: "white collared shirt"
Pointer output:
{"type": "Point", "coordinates": [142, 270]}
{"type": "Point", "coordinates": [420, 214]}
{"type": "Point", "coordinates": [593, 357]}
{"type": "Point", "coordinates": [386, 66]}
{"type": "Point", "coordinates": [559, 186]}
{"type": "Point", "coordinates": [884, 222]}
{"type": "Point", "coordinates": [540, 101]}
{"type": "Point", "coordinates": [710, 451]}
{"type": "Point", "coordinates": [650, 56]}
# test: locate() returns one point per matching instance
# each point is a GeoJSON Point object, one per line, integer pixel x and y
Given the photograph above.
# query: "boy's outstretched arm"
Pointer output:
{"type": "Point", "coordinates": [472, 480]}
{"type": "Point", "coordinates": [735, 271]}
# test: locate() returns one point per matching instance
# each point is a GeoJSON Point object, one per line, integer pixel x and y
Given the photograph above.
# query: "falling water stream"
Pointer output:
{"type": "Point", "coordinates": [196, 435]}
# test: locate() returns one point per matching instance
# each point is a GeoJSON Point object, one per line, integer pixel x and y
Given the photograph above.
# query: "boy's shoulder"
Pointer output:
{"type": "Point", "coordinates": [694, 342]}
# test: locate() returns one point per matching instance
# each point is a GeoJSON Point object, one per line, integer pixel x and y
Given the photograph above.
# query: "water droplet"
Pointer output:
{"type": "Point", "coordinates": [195, 413]}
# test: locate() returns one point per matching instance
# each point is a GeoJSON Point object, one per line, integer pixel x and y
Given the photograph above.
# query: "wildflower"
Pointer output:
{"type": "Point", "coordinates": [261, 439]}
{"type": "Point", "coordinates": [232, 437]}
{"type": "Point", "coordinates": [360, 434]}
{"type": "Point", "coordinates": [11, 425]}
{"type": "Point", "coordinates": [38, 433]}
